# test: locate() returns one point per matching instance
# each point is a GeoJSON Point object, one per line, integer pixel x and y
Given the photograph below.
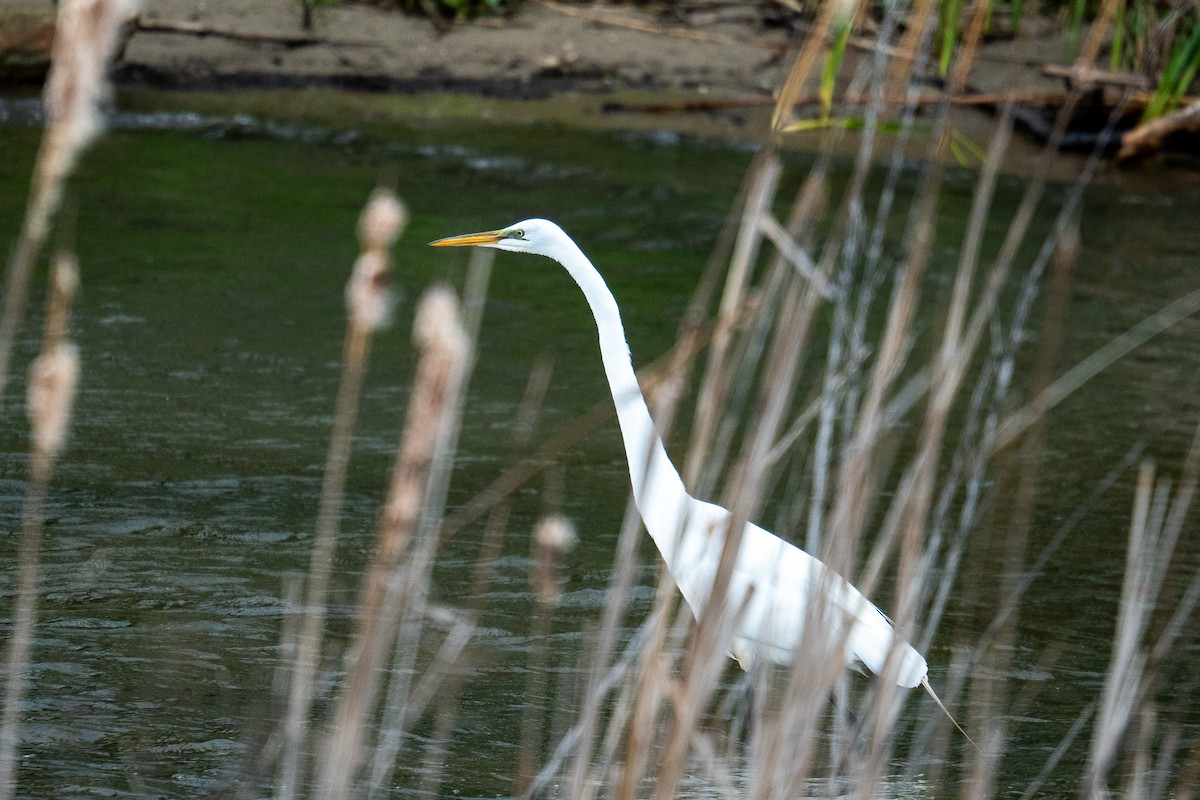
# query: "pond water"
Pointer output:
{"type": "Point", "coordinates": [214, 253]}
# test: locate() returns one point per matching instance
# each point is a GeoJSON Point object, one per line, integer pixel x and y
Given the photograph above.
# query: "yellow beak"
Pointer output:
{"type": "Point", "coordinates": [468, 239]}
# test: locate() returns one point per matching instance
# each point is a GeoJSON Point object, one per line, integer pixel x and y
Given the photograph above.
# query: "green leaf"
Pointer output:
{"type": "Point", "coordinates": [833, 64]}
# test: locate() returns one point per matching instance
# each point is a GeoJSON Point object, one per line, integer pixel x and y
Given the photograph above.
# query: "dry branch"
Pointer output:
{"type": "Point", "coordinates": [51, 393]}
{"type": "Point", "coordinates": [283, 39]}
{"type": "Point", "coordinates": [1150, 137]}
{"type": "Point", "coordinates": [1083, 77]}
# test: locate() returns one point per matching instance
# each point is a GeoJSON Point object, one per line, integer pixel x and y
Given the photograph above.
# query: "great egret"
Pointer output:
{"type": "Point", "coordinates": [773, 581]}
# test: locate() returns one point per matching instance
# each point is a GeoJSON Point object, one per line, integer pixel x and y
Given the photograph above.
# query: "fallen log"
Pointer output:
{"type": "Point", "coordinates": [1152, 136]}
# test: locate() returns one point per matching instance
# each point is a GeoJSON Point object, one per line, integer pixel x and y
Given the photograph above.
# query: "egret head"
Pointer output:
{"type": "Point", "coordinates": [530, 236]}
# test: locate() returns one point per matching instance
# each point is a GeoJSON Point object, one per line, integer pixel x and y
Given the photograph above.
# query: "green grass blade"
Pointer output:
{"type": "Point", "coordinates": [1118, 39]}
{"type": "Point", "coordinates": [951, 13]}
{"type": "Point", "coordinates": [1177, 77]}
{"type": "Point", "coordinates": [833, 64]}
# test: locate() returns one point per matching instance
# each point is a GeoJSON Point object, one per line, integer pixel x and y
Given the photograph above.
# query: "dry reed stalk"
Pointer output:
{"type": "Point", "coordinates": [985, 432]}
{"type": "Point", "coordinates": [861, 462]}
{"type": "Point", "coordinates": [793, 735]}
{"type": "Point", "coordinates": [765, 172]}
{"type": "Point", "coordinates": [800, 303]}
{"type": "Point", "coordinates": [368, 303]}
{"type": "Point", "coordinates": [443, 679]}
{"type": "Point", "coordinates": [53, 376]}
{"type": "Point", "coordinates": [776, 401]}
{"type": "Point", "coordinates": [715, 627]}
{"type": "Point", "coordinates": [706, 657]}
{"type": "Point", "coordinates": [553, 536]}
{"type": "Point", "coordinates": [913, 505]}
{"type": "Point", "coordinates": [727, 388]}
{"type": "Point", "coordinates": [888, 367]}
{"type": "Point", "coordinates": [907, 518]}
{"type": "Point", "coordinates": [1016, 487]}
{"type": "Point", "coordinates": [845, 352]}
{"type": "Point", "coordinates": [1125, 718]}
{"type": "Point", "coordinates": [1019, 226]}
{"type": "Point", "coordinates": [787, 745]}
{"type": "Point", "coordinates": [971, 313]}
{"type": "Point", "coordinates": [570, 740]}
{"type": "Point", "coordinates": [872, 403]}
{"type": "Point", "coordinates": [918, 26]}
{"type": "Point", "coordinates": [600, 674]}
{"type": "Point", "coordinates": [404, 702]}
{"type": "Point", "coordinates": [86, 33]}
{"type": "Point", "coordinates": [654, 686]}
{"type": "Point", "coordinates": [617, 597]}
{"type": "Point", "coordinates": [802, 66]}
{"type": "Point", "coordinates": [1105, 356]}
{"type": "Point", "coordinates": [434, 399]}
{"type": "Point", "coordinates": [665, 392]}
{"type": "Point", "coordinates": [978, 442]}
{"type": "Point", "coordinates": [943, 389]}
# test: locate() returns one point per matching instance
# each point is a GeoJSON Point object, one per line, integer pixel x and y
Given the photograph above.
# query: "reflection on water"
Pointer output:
{"type": "Point", "coordinates": [214, 253]}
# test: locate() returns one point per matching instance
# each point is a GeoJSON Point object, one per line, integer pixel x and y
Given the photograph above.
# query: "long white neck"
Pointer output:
{"type": "Point", "coordinates": [657, 488]}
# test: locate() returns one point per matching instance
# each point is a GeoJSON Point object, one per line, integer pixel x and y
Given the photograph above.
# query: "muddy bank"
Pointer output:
{"type": "Point", "coordinates": [564, 64]}
{"type": "Point", "coordinates": [546, 48]}
{"type": "Point", "coordinates": [710, 71]}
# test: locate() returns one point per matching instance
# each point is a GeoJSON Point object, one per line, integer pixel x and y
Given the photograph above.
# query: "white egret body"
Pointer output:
{"type": "Point", "coordinates": [780, 579]}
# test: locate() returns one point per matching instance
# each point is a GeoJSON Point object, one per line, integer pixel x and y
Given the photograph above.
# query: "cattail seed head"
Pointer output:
{"type": "Point", "coordinates": [556, 533]}
{"type": "Point", "coordinates": [66, 275]}
{"type": "Point", "coordinates": [437, 323]}
{"type": "Point", "coordinates": [553, 536]}
{"type": "Point", "coordinates": [369, 297]}
{"type": "Point", "coordinates": [52, 379]}
{"type": "Point", "coordinates": [85, 38]}
{"type": "Point", "coordinates": [64, 285]}
{"type": "Point", "coordinates": [382, 220]}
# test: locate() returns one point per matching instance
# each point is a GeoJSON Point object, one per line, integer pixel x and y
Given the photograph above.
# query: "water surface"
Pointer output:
{"type": "Point", "coordinates": [214, 252]}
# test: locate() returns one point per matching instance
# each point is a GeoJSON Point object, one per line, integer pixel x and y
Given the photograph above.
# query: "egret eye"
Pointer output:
{"type": "Point", "coordinates": [516, 233]}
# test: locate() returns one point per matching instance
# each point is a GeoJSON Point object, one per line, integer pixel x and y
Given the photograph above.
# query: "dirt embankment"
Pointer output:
{"type": "Point", "coordinates": [544, 49]}
{"type": "Point", "coordinates": [731, 52]}
{"type": "Point", "coordinates": [712, 69]}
